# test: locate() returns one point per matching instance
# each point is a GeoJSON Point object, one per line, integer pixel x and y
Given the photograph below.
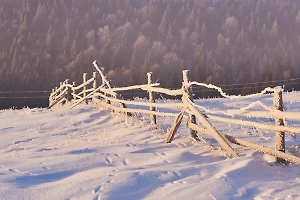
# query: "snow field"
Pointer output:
{"type": "Point", "coordinates": [87, 153]}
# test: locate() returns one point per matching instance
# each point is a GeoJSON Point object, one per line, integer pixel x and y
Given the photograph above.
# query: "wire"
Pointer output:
{"type": "Point", "coordinates": [19, 92]}
{"type": "Point", "coordinates": [247, 84]}
{"type": "Point", "coordinates": [243, 84]}
{"type": "Point", "coordinates": [39, 97]}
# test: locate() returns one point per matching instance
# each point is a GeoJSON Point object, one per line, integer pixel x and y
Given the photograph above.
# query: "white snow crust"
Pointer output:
{"type": "Point", "coordinates": [89, 153]}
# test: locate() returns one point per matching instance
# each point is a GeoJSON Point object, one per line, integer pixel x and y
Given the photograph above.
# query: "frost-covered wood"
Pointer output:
{"type": "Point", "coordinates": [76, 96]}
{"type": "Point", "coordinates": [175, 127]}
{"type": "Point", "coordinates": [209, 127]}
{"type": "Point", "coordinates": [107, 97]}
{"type": "Point", "coordinates": [122, 105]}
{"type": "Point", "coordinates": [95, 82]}
{"type": "Point", "coordinates": [73, 90]}
{"type": "Point", "coordinates": [269, 127]}
{"type": "Point", "coordinates": [90, 95]}
{"type": "Point", "coordinates": [91, 80]}
{"type": "Point", "coordinates": [177, 92]}
{"type": "Point", "coordinates": [107, 92]}
{"type": "Point", "coordinates": [134, 87]}
{"type": "Point", "coordinates": [280, 135]}
{"type": "Point", "coordinates": [139, 103]}
{"type": "Point", "coordinates": [210, 86]}
{"type": "Point", "coordinates": [61, 94]}
{"type": "Point", "coordinates": [151, 98]}
{"type": "Point", "coordinates": [59, 99]}
{"type": "Point", "coordinates": [85, 88]}
{"type": "Point", "coordinates": [189, 92]}
{"type": "Point", "coordinates": [265, 114]}
{"type": "Point", "coordinates": [251, 145]}
{"type": "Point", "coordinates": [132, 110]}
{"type": "Point", "coordinates": [86, 91]}
{"type": "Point", "coordinates": [103, 77]}
{"type": "Point", "coordinates": [68, 96]}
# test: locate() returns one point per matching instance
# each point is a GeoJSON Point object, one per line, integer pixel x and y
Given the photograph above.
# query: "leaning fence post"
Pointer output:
{"type": "Point", "coordinates": [189, 91]}
{"type": "Point", "coordinates": [84, 88]}
{"type": "Point", "coordinates": [280, 136]}
{"type": "Point", "coordinates": [151, 99]}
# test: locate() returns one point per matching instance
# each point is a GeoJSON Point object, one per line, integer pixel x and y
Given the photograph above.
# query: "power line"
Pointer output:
{"type": "Point", "coordinates": [22, 92]}
{"type": "Point", "coordinates": [39, 97]}
{"type": "Point", "coordinates": [243, 84]}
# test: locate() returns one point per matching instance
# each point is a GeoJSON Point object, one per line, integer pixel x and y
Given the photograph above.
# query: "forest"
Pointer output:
{"type": "Point", "coordinates": [242, 46]}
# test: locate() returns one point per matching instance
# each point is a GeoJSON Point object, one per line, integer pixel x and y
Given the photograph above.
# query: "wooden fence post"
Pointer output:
{"type": "Point", "coordinates": [84, 88]}
{"type": "Point", "coordinates": [107, 101]}
{"type": "Point", "coordinates": [68, 93]}
{"type": "Point", "coordinates": [175, 127]}
{"type": "Point", "coordinates": [189, 91]}
{"type": "Point", "coordinates": [51, 97]}
{"type": "Point", "coordinates": [95, 80]}
{"type": "Point", "coordinates": [94, 83]}
{"type": "Point", "coordinates": [73, 90]}
{"type": "Point", "coordinates": [122, 105]}
{"type": "Point", "coordinates": [151, 99]}
{"type": "Point", "coordinates": [60, 91]}
{"type": "Point", "coordinates": [280, 136]}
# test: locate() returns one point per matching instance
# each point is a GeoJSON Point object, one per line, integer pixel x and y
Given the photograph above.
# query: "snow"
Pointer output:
{"type": "Point", "coordinates": [88, 153]}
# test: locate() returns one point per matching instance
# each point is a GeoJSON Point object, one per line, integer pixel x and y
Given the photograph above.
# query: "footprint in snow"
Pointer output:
{"type": "Point", "coordinates": [97, 189]}
{"type": "Point", "coordinates": [47, 168]}
{"type": "Point", "coordinates": [110, 181]}
{"type": "Point", "coordinates": [125, 162]}
{"type": "Point", "coordinates": [177, 174]}
{"type": "Point", "coordinates": [108, 160]}
{"type": "Point", "coordinates": [13, 170]}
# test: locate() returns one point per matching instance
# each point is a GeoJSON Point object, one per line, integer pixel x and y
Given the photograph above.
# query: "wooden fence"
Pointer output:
{"type": "Point", "coordinates": [107, 97]}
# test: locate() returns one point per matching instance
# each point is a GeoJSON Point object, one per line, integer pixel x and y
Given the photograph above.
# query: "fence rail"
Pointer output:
{"type": "Point", "coordinates": [108, 97]}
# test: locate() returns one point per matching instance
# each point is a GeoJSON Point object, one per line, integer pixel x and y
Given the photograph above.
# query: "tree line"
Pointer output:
{"type": "Point", "coordinates": [223, 42]}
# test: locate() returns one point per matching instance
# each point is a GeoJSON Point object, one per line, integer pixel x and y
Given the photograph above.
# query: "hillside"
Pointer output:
{"type": "Point", "coordinates": [88, 153]}
{"type": "Point", "coordinates": [220, 42]}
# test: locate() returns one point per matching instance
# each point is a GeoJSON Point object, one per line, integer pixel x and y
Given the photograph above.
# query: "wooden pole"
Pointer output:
{"type": "Point", "coordinates": [51, 97]}
{"type": "Point", "coordinates": [175, 127]}
{"type": "Point", "coordinates": [94, 83]}
{"type": "Point", "coordinates": [280, 136]}
{"type": "Point", "coordinates": [60, 90]}
{"type": "Point", "coordinates": [251, 145]}
{"type": "Point", "coordinates": [73, 90]}
{"type": "Point", "coordinates": [95, 80]}
{"type": "Point", "coordinates": [189, 91]}
{"type": "Point", "coordinates": [107, 101]}
{"type": "Point", "coordinates": [84, 88]}
{"type": "Point", "coordinates": [151, 98]}
{"type": "Point", "coordinates": [210, 128]}
{"type": "Point", "coordinates": [122, 105]}
{"type": "Point", "coordinates": [68, 95]}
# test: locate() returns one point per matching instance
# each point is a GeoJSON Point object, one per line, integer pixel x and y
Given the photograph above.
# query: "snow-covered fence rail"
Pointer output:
{"type": "Point", "coordinates": [108, 97]}
{"type": "Point", "coordinates": [67, 92]}
{"type": "Point", "coordinates": [60, 95]}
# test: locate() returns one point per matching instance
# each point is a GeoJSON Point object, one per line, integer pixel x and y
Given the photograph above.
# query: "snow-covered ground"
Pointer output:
{"type": "Point", "coordinates": [88, 153]}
